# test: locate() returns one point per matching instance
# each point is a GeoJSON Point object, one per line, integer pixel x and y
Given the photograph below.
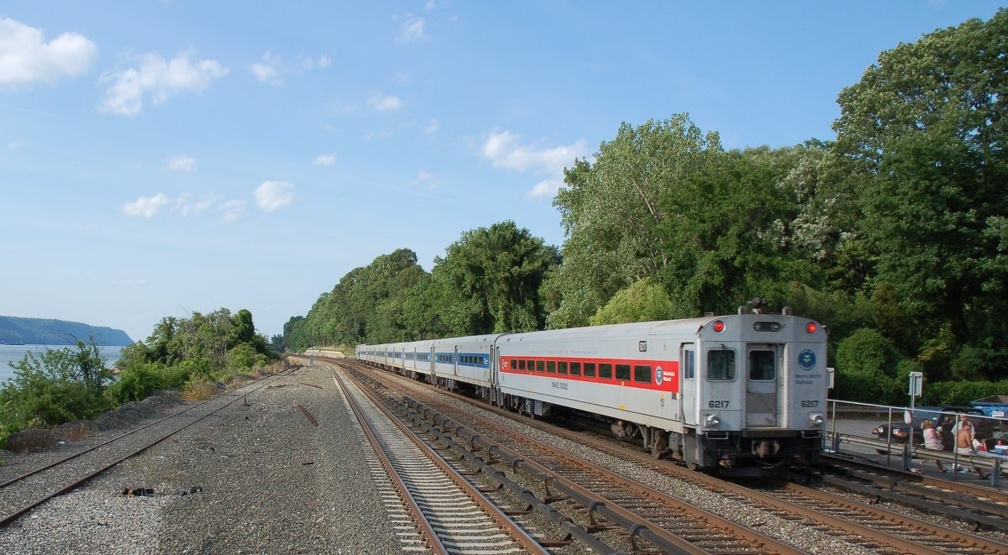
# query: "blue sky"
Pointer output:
{"type": "Point", "coordinates": [159, 157]}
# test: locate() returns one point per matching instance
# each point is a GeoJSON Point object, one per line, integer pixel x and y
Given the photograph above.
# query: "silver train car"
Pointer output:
{"type": "Point", "coordinates": [742, 394]}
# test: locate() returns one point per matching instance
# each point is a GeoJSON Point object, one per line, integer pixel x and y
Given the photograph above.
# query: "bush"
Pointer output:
{"type": "Point", "coordinates": [961, 392]}
{"type": "Point", "coordinates": [245, 357]}
{"type": "Point", "coordinates": [54, 387]}
{"type": "Point", "coordinates": [642, 301]}
{"type": "Point", "coordinates": [869, 369]}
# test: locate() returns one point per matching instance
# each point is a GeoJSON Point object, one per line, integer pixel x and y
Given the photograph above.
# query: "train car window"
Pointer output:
{"type": "Point", "coordinates": [575, 368]}
{"type": "Point", "coordinates": [720, 365]}
{"type": "Point", "coordinates": [761, 366]}
{"type": "Point", "coordinates": [589, 369]}
{"type": "Point", "coordinates": [642, 373]}
{"type": "Point", "coordinates": [518, 364]}
{"type": "Point", "coordinates": [689, 364]}
{"type": "Point", "coordinates": [623, 372]}
{"type": "Point", "coordinates": [531, 365]}
{"type": "Point", "coordinates": [540, 366]}
{"type": "Point", "coordinates": [562, 367]}
{"type": "Point", "coordinates": [605, 371]}
{"type": "Point", "coordinates": [551, 367]}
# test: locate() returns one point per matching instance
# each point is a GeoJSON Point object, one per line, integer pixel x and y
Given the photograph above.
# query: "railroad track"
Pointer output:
{"type": "Point", "coordinates": [450, 514]}
{"type": "Point", "coordinates": [862, 524]}
{"type": "Point", "coordinates": [961, 499]}
{"type": "Point", "coordinates": [22, 493]}
{"type": "Point", "coordinates": [599, 499]}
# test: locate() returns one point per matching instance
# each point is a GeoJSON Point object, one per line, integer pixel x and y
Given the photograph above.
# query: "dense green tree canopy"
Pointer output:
{"type": "Point", "coordinates": [927, 125]}
{"type": "Point", "coordinates": [610, 212]}
{"type": "Point", "coordinates": [493, 277]}
{"type": "Point", "coordinates": [730, 232]}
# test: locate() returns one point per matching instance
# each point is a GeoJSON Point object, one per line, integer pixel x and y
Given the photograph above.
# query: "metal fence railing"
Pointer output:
{"type": "Point", "coordinates": [867, 430]}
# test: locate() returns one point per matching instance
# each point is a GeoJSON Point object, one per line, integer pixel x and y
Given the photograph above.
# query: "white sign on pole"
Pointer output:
{"type": "Point", "coordinates": [916, 384]}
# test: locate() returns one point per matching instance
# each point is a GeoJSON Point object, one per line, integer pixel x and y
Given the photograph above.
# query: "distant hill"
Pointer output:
{"type": "Point", "coordinates": [39, 331]}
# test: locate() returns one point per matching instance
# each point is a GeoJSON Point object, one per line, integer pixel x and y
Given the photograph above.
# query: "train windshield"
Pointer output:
{"type": "Point", "coordinates": [721, 365]}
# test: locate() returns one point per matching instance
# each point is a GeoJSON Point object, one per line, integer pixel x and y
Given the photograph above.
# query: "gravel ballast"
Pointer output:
{"type": "Point", "coordinates": [258, 477]}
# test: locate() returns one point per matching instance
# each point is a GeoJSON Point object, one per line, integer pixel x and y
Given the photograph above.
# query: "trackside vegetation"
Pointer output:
{"type": "Point", "coordinates": [57, 386]}
{"type": "Point", "coordinates": [894, 235]}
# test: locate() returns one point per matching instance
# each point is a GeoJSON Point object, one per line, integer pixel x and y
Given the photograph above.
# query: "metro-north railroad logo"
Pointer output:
{"type": "Point", "coordinates": [806, 359]}
{"type": "Point", "coordinates": [659, 375]}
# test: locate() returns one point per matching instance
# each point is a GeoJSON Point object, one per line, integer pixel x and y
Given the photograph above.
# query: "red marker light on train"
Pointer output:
{"type": "Point", "coordinates": [811, 327]}
{"type": "Point", "coordinates": [719, 326]}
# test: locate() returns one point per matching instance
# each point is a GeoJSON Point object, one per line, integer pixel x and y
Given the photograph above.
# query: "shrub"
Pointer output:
{"type": "Point", "coordinates": [54, 387]}
{"type": "Point", "coordinates": [869, 369]}
{"type": "Point", "coordinates": [245, 357]}
{"type": "Point", "coordinates": [199, 391]}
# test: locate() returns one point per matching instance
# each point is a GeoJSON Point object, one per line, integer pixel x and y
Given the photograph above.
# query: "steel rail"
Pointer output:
{"type": "Point", "coordinates": [8, 518]}
{"type": "Point", "coordinates": [426, 529]}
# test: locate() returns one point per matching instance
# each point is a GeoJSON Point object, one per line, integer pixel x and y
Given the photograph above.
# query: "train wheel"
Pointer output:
{"type": "Point", "coordinates": [659, 445]}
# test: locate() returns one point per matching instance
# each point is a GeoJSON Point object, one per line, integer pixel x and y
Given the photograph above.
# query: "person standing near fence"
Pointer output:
{"type": "Point", "coordinates": [932, 441]}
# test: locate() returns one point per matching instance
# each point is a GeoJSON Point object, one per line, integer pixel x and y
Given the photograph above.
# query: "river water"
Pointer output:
{"type": "Point", "coordinates": [15, 353]}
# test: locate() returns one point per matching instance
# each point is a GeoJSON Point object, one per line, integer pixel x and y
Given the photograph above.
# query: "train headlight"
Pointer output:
{"type": "Point", "coordinates": [713, 421]}
{"type": "Point", "coordinates": [816, 419]}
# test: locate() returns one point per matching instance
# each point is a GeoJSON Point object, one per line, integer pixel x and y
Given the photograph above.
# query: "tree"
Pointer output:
{"type": "Point", "coordinates": [925, 128]}
{"type": "Point", "coordinates": [610, 212]}
{"type": "Point", "coordinates": [643, 301]}
{"type": "Point", "coordinates": [729, 235]}
{"type": "Point", "coordinates": [490, 280]}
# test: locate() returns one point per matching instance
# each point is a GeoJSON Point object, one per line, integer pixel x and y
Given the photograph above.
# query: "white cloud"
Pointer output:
{"type": "Point", "coordinates": [159, 79]}
{"type": "Point", "coordinates": [181, 163]}
{"type": "Point", "coordinates": [145, 207]}
{"type": "Point", "coordinates": [272, 67]}
{"type": "Point", "coordinates": [25, 58]}
{"type": "Point", "coordinates": [273, 195]}
{"type": "Point", "coordinates": [325, 159]}
{"type": "Point", "coordinates": [268, 70]}
{"type": "Point", "coordinates": [428, 178]}
{"type": "Point", "coordinates": [505, 150]}
{"type": "Point", "coordinates": [546, 188]}
{"type": "Point", "coordinates": [321, 62]}
{"type": "Point", "coordinates": [185, 205]}
{"type": "Point", "coordinates": [232, 210]}
{"type": "Point", "coordinates": [432, 127]}
{"type": "Point", "coordinates": [413, 30]}
{"type": "Point", "coordinates": [384, 103]}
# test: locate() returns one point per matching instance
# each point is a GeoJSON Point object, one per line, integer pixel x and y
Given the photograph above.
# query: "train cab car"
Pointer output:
{"type": "Point", "coordinates": [625, 374]}
{"type": "Point", "coordinates": [744, 394]}
{"type": "Point", "coordinates": [754, 393]}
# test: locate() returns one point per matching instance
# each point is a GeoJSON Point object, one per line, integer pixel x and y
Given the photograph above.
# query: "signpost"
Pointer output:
{"type": "Point", "coordinates": [916, 386]}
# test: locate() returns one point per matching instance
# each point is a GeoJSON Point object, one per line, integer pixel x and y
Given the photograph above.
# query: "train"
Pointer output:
{"type": "Point", "coordinates": [740, 395]}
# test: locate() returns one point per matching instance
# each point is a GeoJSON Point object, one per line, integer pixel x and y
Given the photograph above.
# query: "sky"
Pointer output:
{"type": "Point", "coordinates": [165, 157]}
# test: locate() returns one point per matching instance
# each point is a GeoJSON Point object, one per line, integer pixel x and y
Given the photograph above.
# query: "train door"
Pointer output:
{"type": "Point", "coordinates": [762, 385]}
{"type": "Point", "coordinates": [688, 385]}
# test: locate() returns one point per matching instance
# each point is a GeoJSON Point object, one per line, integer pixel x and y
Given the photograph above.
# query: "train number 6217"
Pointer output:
{"type": "Point", "coordinates": [808, 404]}
{"type": "Point", "coordinates": [717, 404]}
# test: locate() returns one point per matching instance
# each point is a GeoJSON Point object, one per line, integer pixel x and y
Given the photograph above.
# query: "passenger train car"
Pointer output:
{"type": "Point", "coordinates": [742, 394]}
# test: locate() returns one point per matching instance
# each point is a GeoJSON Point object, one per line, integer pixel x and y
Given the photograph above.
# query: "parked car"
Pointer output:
{"type": "Point", "coordinates": [944, 419]}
